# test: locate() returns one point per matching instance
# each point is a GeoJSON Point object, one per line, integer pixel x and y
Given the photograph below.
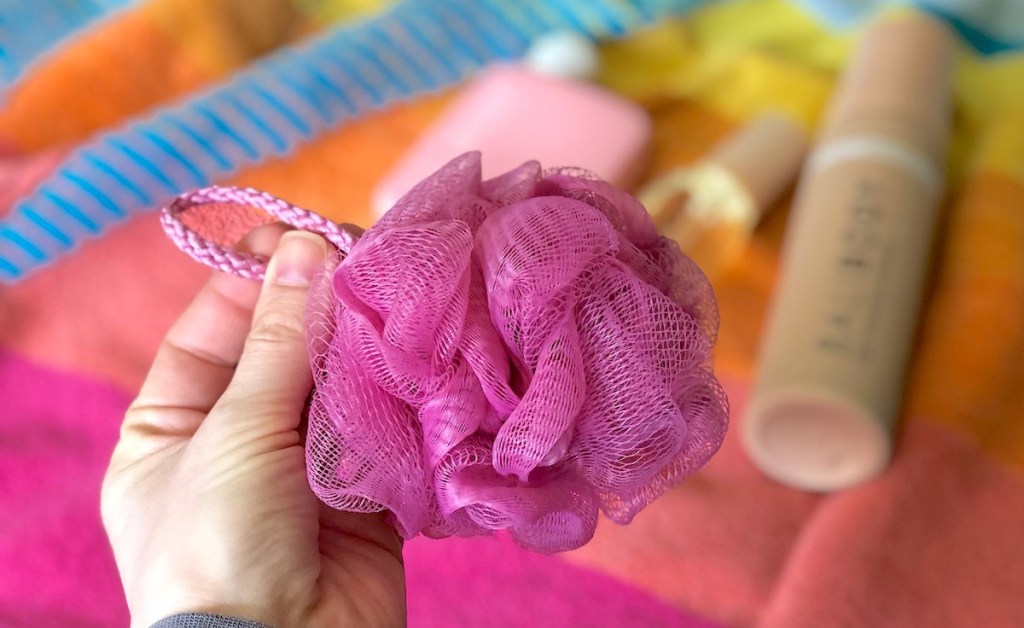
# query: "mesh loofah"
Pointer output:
{"type": "Point", "coordinates": [514, 354]}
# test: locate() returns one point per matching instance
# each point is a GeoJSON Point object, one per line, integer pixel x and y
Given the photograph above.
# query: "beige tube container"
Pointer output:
{"type": "Point", "coordinates": [842, 324]}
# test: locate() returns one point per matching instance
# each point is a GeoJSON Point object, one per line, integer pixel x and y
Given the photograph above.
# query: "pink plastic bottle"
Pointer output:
{"type": "Point", "coordinates": [539, 110]}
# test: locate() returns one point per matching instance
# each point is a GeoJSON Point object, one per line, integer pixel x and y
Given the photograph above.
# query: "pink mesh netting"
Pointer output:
{"type": "Point", "coordinates": [513, 354]}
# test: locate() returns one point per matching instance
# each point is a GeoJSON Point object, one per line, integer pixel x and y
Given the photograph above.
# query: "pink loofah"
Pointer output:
{"type": "Point", "coordinates": [513, 354]}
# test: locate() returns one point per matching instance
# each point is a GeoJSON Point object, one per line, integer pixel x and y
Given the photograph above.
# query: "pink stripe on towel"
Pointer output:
{"type": "Point", "coordinates": [56, 434]}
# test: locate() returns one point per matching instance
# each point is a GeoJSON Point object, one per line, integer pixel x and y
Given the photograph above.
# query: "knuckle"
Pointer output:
{"type": "Point", "coordinates": [277, 325]}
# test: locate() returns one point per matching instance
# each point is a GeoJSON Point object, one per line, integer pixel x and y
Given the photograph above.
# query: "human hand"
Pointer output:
{"type": "Point", "coordinates": [206, 501]}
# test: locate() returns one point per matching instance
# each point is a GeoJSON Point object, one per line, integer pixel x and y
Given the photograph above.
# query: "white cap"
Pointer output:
{"type": "Point", "coordinates": [564, 54]}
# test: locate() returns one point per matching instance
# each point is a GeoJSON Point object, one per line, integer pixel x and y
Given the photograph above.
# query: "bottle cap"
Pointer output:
{"type": "Point", "coordinates": [564, 54]}
{"type": "Point", "coordinates": [898, 78]}
{"type": "Point", "coordinates": [764, 157]}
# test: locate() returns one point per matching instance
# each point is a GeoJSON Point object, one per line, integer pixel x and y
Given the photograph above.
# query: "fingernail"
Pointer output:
{"type": "Point", "coordinates": [299, 256]}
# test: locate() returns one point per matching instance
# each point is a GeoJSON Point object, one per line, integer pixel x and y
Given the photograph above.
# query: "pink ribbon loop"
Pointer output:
{"type": "Point", "coordinates": [224, 258]}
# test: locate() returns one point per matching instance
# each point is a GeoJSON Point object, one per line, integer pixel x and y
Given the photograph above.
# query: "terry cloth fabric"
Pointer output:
{"type": "Point", "coordinates": [935, 541]}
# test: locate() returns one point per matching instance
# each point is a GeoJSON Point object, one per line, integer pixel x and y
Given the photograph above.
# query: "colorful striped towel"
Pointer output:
{"type": "Point", "coordinates": [935, 541]}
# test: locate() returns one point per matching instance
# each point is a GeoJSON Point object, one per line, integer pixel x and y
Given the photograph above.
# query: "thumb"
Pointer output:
{"type": "Point", "coordinates": [272, 381]}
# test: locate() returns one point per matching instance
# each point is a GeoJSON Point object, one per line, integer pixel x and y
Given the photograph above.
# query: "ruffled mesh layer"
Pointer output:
{"type": "Point", "coordinates": [513, 354]}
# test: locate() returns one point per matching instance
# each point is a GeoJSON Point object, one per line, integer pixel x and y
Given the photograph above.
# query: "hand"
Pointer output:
{"type": "Point", "coordinates": [206, 501]}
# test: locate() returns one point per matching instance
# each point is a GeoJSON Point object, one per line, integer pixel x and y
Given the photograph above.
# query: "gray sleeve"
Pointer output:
{"type": "Point", "coordinates": [204, 620]}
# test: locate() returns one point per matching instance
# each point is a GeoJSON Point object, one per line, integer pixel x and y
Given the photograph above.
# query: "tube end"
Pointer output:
{"type": "Point", "coordinates": [814, 441]}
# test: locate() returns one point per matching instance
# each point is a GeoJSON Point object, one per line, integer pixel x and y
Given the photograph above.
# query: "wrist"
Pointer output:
{"type": "Point", "coordinates": [206, 620]}
{"type": "Point", "coordinates": [188, 592]}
